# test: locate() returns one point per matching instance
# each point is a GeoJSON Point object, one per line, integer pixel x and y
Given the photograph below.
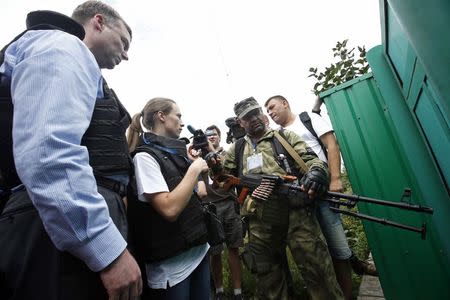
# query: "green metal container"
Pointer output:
{"type": "Point", "coordinates": [384, 152]}
{"type": "Point", "coordinates": [393, 130]}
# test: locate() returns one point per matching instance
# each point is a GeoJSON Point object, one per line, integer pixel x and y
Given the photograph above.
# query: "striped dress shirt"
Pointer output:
{"type": "Point", "coordinates": [55, 81]}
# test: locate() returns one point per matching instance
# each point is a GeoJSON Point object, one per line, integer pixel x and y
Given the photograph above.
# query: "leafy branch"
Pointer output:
{"type": "Point", "coordinates": [346, 68]}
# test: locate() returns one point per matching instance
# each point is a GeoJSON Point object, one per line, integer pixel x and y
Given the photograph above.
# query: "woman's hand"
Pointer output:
{"type": "Point", "coordinates": [199, 165]}
{"type": "Point", "coordinates": [193, 154]}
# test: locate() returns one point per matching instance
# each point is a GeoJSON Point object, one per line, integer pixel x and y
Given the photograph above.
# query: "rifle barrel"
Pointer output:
{"type": "Point", "coordinates": [339, 202]}
{"type": "Point", "coordinates": [402, 205]}
{"type": "Point", "coordinates": [422, 230]}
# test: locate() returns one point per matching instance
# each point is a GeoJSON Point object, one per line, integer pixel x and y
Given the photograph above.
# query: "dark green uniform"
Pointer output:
{"type": "Point", "coordinates": [273, 225]}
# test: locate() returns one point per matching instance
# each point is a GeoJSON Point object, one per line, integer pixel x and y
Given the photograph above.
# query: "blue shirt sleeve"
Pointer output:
{"type": "Point", "coordinates": [55, 81]}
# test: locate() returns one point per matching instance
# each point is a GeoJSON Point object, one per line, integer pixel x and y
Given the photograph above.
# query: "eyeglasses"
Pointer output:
{"type": "Point", "coordinates": [209, 133]}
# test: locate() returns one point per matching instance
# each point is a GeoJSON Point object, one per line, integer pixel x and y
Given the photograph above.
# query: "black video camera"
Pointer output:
{"type": "Point", "coordinates": [235, 130]}
{"type": "Point", "coordinates": [199, 140]}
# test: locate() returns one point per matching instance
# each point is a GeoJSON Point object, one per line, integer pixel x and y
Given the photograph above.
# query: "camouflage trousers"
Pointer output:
{"type": "Point", "coordinates": [274, 227]}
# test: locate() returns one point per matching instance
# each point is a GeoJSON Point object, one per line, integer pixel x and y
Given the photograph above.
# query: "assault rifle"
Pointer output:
{"type": "Point", "coordinates": [262, 187]}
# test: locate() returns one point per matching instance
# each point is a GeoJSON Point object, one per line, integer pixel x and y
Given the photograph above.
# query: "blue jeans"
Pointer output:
{"type": "Point", "coordinates": [331, 225]}
{"type": "Point", "coordinates": [195, 286]}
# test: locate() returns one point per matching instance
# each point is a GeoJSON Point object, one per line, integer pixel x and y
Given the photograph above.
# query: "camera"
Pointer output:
{"type": "Point", "coordinates": [235, 130]}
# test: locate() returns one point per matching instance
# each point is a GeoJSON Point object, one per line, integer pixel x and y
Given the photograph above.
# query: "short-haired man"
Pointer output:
{"type": "Point", "coordinates": [276, 222]}
{"type": "Point", "coordinates": [225, 202]}
{"type": "Point", "coordinates": [279, 110]}
{"type": "Point", "coordinates": [62, 231]}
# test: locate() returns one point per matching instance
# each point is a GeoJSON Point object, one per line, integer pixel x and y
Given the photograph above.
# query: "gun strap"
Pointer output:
{"type": "Point", "coordinates": [291, 152]}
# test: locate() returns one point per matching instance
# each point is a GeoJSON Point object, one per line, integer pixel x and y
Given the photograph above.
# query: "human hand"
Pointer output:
{"type": "Point", "coordinates": [336, 185]}
{"type": "Point", "coordinates": [193, 154]}
{"type": "Point", "coordinates": [315, 183]}
{"type": "Point", "coordinates": [122, 278]}
{"type": "Point", "coordinates": [317, 103]}
{"type": "Point", "coordinates": [199, 165]}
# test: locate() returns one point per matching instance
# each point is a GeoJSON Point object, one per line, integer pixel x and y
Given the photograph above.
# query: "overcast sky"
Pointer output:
{"type": "Point", "coordinates": [206, 55]}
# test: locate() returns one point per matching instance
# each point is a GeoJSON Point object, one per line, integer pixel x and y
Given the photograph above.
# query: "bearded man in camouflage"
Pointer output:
{"type": "Point", "coordinates": [279, 221]}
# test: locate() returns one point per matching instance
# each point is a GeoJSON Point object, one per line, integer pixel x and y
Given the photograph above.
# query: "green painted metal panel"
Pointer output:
{"type": "Point", "coordinates": [384, 151]}
{"type": "Point", "coordinates": [417, 81]}
{"type": "Point", "coordinates": [399, 51]}
{"type": "Point", "coordinates": [400, 30]}
{"type": "Point", "coordinates": [435, 128]}
{"type": "Point", "coordinates": [426, 25]}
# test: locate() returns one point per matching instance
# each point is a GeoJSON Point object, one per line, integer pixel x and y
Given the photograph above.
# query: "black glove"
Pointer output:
{"type": "Point", "coordinates": [316, 180]}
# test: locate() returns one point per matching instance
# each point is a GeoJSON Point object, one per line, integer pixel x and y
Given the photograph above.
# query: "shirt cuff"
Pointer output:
{"type": "Point", "coordinates": [103, 249]}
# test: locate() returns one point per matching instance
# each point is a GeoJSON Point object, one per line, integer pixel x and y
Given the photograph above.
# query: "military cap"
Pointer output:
{"type": "Point", "coordinates": [245, 106]}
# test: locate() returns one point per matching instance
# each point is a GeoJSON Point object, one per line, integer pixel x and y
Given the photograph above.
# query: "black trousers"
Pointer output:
{"type": "Point", "coordinates": [30, 265]}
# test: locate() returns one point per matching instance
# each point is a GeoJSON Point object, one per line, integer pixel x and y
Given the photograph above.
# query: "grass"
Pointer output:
{"type": "Point", "coordinates": [356, 239]}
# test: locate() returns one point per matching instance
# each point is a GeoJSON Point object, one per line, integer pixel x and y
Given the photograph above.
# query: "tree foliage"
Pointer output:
{"type": "Point", "coordinates": [346, 68]}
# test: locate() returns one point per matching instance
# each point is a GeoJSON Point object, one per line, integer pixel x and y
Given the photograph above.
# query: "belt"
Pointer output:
{"type": "Point", "coordinates": [112, 185]}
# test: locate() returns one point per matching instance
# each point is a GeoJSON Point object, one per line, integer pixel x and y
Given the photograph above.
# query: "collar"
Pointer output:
{"type": "Point", "coordinates": [170, 145]}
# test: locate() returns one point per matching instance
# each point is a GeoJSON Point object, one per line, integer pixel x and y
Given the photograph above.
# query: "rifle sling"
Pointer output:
{"type": "Point", "coordinates": [291, 152]}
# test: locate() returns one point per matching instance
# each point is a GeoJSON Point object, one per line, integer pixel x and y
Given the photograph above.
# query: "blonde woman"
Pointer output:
{"type": "Point", "coordinates": [166, 221]}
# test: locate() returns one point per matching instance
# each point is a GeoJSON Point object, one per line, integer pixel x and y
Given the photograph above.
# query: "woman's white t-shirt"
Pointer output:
{"type": "Point", "coordinates": [173, 270]}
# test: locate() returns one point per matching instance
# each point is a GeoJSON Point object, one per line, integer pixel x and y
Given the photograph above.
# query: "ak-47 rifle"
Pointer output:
{"type": "Point", "coordinates": [262, 186]}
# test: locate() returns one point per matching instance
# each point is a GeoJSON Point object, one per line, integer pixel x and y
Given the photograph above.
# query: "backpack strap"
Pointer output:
{"type": "Point", "coordinates": [306, 120]}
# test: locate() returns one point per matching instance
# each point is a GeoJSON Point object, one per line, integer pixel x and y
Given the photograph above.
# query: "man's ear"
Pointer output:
{"type": "Point", "coordinates": [99, 22]}
{"type": "Point", "coordinates": [266, 120]}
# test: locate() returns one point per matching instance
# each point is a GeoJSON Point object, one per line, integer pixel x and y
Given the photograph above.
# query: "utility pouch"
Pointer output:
{"type": "Point", "coordinates": [216, 234]}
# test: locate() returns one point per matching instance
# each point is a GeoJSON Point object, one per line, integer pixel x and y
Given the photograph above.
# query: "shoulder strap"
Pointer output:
{"type": "Point", "coordinates": [278, 149]}
{"type": "Point", "coordinates": [238, 153]}
{"type": "Point", "coordinates": [291, 151]}
{"type": "Point", "coordinates": [306, 120]}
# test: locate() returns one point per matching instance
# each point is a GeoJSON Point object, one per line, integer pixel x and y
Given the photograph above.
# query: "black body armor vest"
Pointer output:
{"type": "Point", "coordinates": [105, 137]}
{"type": "Point", "coordinates": [154, 237]}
